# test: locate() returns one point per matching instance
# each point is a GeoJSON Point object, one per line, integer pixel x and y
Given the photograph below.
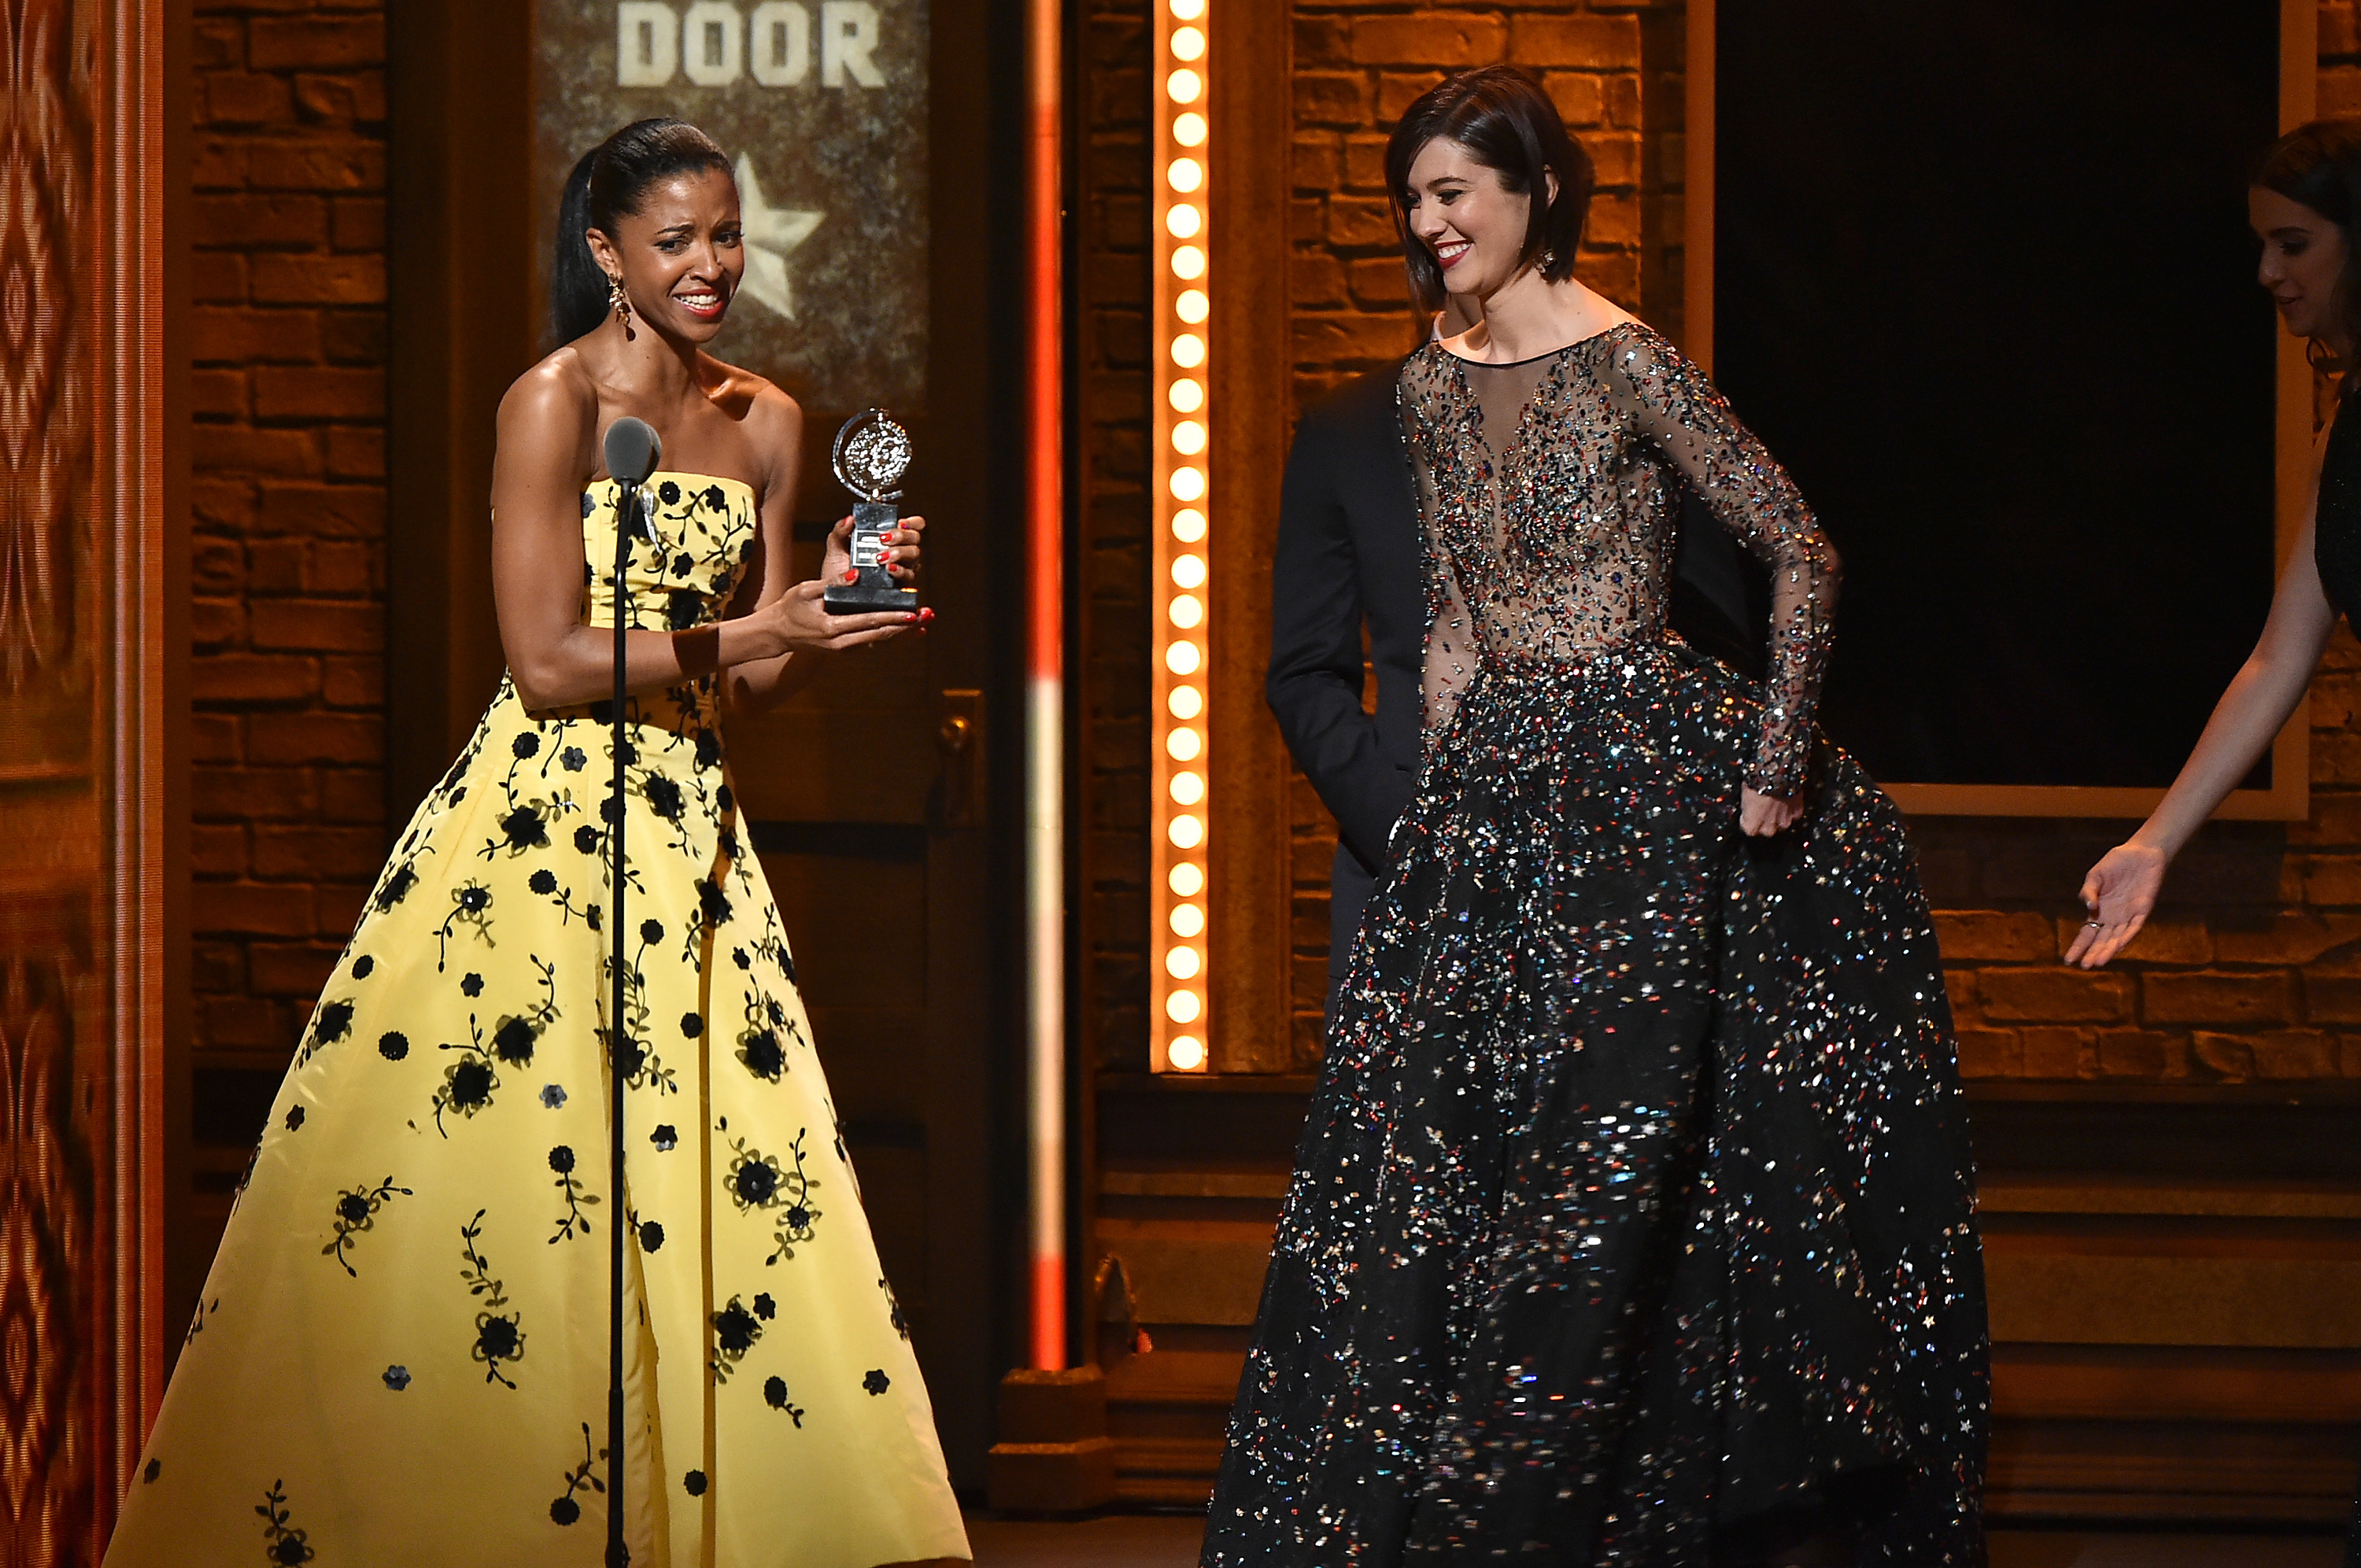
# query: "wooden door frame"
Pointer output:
{"type": "Point", "coordinates": [2289, 798]}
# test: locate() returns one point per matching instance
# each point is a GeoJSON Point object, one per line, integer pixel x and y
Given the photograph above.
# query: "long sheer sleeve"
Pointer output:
{"type": "Point", "coordinates": [1450, 657]}
{"type": "Point", "coordinates": [1677, 410]}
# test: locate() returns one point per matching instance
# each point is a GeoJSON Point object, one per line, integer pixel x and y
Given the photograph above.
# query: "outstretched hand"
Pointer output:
{"type": "Point", "coordinates": [803, 622]}
{"type": "Point", "coordinates": [1761, 815]}
{"type": "Point", "coordinates": [2120, 892]}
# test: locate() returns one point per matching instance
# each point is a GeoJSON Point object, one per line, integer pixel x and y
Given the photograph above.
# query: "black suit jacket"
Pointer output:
{"type": "Point", "coordinates": [1349, 552]}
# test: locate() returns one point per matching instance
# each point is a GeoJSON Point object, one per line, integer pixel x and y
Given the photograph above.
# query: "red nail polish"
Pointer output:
{"type": "Point", "coordinates": [853, 575]}
{"type": "Point", "coordinates": [927, 612]}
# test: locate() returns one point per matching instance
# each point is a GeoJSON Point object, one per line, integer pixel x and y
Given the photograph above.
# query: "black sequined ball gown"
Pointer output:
{"type": "Point", "coordinates": [1633, 1222]}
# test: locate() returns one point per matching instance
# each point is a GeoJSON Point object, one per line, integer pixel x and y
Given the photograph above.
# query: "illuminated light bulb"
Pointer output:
{"type": "Point", "coordinates": [1187, 395]}
{"type": "Point", "coordinates": [1182, 658]}
{"type": "Point", "coordinates": [1185, 702]}
{"type": "Point", "coordinates": [1182, 1006]}
{"type": "Point", "coordinates": [1188, 525]}
{"type": "Point", "coordinates": [1189, 128]}
{"type": "Point", "coordinates": [1191, 306]}
{"type": "Point", "coordinates": [1188, 484]}
{"type": "Point", "coordinates": [1188, 350]}
{"type": "Point", "coordinates": [1186, 831]}
{"type": "Point", "coordinates": [1188, 788]}
{"type": "Point", "coordinates": [1182, 221]}
{"type": "Point", "coordinates": [1189, 571]}
{"type": "Point", "coordinates": [1188, 43]}
{"type": "Point", "coordinates": [1182, 963]}
{"type": "Point", "coordinates": [1183, 86]}
{"type": "Point", "coordinates": [1186, 174]}
{"type": "Point", "coordinates": [1187, 438]}
{"type": "Point", "coordinates": [1186, 879]}
{"type": "Point", "coordinates": [1188, 261]}
{"type": "Point", "coordinates": [1186, 10]}
{"type": "Point", "coordinates": [1187, 920]}
{"type": "Point", "coordinates": [1188, 611]}
{"type": "Point", "coordinates": [1186, 1053]}
{"type": "Point", "coordinates": [1182, 746]}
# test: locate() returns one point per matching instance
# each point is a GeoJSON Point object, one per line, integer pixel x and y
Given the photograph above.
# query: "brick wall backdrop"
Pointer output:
{"type": "Point", "coordinates": [2252, 969]}
{"type": "Point", "coordinates": [290, 518]}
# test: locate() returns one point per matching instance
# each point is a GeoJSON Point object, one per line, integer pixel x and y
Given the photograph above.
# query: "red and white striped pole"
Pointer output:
{"type": "Point", "coordinates": [1045, 874]}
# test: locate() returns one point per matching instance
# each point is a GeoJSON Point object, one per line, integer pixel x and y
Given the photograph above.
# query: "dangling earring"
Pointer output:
{"type": "Point", "coordinates": [619, 301]}
{"type": "Point", "coordinates": [1549, 257]}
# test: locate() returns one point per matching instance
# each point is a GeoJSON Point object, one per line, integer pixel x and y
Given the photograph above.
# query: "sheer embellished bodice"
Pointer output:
{"type": "Point", "coordinates": [1550, 490]}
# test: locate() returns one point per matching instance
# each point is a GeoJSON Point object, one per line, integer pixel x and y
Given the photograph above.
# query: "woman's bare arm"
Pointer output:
{"type": "Point", "coordinates": [545, 457]}
{"type": "Point", "coordinates": [2121, 890]}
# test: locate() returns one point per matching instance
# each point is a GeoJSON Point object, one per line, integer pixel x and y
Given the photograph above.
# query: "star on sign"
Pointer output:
{"type": "Point", "coordinates": [772, 234]}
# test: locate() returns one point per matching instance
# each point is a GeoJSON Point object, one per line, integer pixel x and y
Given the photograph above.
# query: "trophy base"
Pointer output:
{"type": "Point", "coordinates": [862, 598]}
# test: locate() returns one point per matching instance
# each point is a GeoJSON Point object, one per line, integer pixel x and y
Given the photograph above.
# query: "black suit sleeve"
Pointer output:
{"type": "Point", "coordinates": [1315, 684]}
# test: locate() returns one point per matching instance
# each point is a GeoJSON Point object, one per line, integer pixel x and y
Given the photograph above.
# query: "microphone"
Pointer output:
{"type": "Point", "coordinates": [633, 452]}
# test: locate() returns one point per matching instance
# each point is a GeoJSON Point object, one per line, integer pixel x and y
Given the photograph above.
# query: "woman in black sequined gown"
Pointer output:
{"type": "Point", "coordinates": [2305, 205]}
{"type": "Point", "coordinates": [1634, 1221]}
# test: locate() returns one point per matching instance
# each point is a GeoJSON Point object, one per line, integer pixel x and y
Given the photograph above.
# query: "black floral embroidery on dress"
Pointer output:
{"type": "Point", "coordinates": [651, 1234]}
{"type": "Point", "coordinates": [331, 1022]}
{"type": "Point", "coordinates": [894, 1310]}
{"type": "Point", "coordinates": [643, 1068]}
{"type": "Point", "coordinates": [876, 1382]}
{"type": "Point", "coordinates": [469, 1083]}
{"type": "Point", "coordinates": [758, 1181]}
{"type": "Point", "coordinates": [396, 1378]}
{"type": "Point", "coordinates": [205, 1310]}
{"type": "Point", "coordinates": [514, 1037]}
{"type": "Point", "coordinates": [735, 1329]}
{"type": "Point", "coordinates": [499, 1336]}
{"type": "Point", "coordinates": [294, 1117]}
{"type": "Point", "coordinates": [588, 839]}
{"type": "Point", "coordinates": [282, 1540]}
{"type": "Point", "coordinates": [760, 1047]}
{"type": "Point", "coordinates": [669, 493]}
{"type": "Point", "coordinates": [664, 1138]}
{"type": "Point", "coordinates": [553, 1095]}
{"type": "Point", "coordinates": [694, 1483]}
{"type": "Point", "coordinates": [363, 966]}
{"type": "Point", "coordinates": [573, 758]}
{"type": "Point", "coordinates": [471, 986]}
{"type": "Point", "coordinates": [716, 499]}
{"type": "Point", "coordinates": [154, 1468]}
{"type": "Point", "coordinates": [774, 1394]}
{"type": "Point", "coordinates": [356, 1213]}
{"type": "Point", "coordinates": [470, 904]}
{"type": "Point", "coordinates": [545, 883]}
{"type": "Point", "coordinates": [683, 608]}
{"type": "Point", "coordinates": [691, 1025]}
{"type": "Point", "coordinates": [399, 878]}
{"type": "Point", "coordinates": [574, 1222]}
{"type": "Point", "coordinates": [565, 1511]}
{"type": "Point", "coordinates": [393, 1045]}
{"type": "Point", "coordinates": [765, 1307]}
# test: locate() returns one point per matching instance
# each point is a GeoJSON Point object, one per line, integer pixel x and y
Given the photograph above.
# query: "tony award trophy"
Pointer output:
{"type": "Point", "coordinates": [871, 454]}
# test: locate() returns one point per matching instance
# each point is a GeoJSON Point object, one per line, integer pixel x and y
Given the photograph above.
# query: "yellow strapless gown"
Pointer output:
{"type": "Point", "coordinates": [401, 1356]}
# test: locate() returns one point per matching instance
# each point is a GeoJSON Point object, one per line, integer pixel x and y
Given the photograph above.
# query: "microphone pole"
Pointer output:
{"type": "Point", "coordinates": [633, 452]}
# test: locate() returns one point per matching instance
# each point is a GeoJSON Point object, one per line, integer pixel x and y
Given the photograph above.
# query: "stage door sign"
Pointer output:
{"type": "Point", "coordinates": [821, 105]}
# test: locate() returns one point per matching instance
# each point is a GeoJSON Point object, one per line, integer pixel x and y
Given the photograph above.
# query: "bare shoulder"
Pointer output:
{"type": "Point", "coordinates": [556, 397]}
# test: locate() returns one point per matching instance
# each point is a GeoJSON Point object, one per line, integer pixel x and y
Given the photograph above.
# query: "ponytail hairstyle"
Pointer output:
{"type": "Point", "coordinates": [2318, 165]}
{"type": "Point", "coordinates": [612, 182]}
{"type": "Point", "coordinates": [1507, 125]}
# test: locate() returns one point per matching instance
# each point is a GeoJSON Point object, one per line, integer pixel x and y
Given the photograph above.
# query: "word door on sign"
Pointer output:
{"type": "Point", "coordinates": [713, 43]}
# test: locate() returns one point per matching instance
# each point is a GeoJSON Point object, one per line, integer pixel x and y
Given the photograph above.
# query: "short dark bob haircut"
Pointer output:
{"type": "Point", "coordinates": [2319, 165]}
{"type": "Point", "coordinates": [1507, 125]}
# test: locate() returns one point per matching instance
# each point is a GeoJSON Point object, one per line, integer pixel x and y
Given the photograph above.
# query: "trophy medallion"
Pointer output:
{"type": "Point", "coordinates": [871, 454]}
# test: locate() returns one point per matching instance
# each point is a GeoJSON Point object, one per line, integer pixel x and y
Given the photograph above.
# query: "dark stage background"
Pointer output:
{"type": "Point", "coordinates": [1983, 280]}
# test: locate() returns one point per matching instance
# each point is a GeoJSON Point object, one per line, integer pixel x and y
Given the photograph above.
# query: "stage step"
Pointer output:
{"type": "Point", "coordinates": [2181, 1350]}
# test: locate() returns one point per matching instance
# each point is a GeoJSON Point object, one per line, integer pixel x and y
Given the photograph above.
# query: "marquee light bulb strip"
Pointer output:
{"type": "Point", "coordinates": [1179, 993]}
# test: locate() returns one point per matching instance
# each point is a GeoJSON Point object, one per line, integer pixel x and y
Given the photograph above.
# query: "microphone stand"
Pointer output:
{"type": "Point", "coordinates": [627, 505]}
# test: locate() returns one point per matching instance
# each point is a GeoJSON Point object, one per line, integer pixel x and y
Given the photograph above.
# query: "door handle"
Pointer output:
{"type": "Point", "coordinates": [958, 793]}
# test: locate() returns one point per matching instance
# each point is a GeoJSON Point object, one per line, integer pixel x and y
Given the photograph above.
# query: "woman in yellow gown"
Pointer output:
{"type": "Point", "coordinates": [400, 1356]}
